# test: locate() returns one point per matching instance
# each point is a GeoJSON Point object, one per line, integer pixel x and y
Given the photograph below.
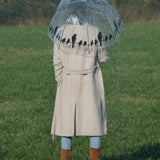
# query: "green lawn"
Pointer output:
{"type": "Point", "coordinates": [27, 94]}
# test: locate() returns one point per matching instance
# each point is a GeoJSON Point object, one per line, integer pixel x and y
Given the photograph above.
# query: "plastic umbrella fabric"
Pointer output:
{"type": "Point", "coordinates": [97, 13]}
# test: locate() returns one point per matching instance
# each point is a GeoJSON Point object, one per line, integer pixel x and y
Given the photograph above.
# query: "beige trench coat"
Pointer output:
{"type": "Point", "coordinates": [80, 99]}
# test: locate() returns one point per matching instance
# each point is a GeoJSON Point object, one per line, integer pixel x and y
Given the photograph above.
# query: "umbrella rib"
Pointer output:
{"type": "Point", "coordinates": [88, 38]}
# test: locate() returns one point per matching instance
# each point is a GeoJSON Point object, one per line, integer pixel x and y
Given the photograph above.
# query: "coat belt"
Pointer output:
{"type": "Point", "coordinates": [81, 72]}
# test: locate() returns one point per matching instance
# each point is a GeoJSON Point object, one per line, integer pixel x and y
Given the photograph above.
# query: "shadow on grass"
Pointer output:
{"type": "Point", "coordinates": [150, 152]}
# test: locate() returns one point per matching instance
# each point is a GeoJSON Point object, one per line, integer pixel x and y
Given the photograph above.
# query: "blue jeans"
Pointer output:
{"type": "Point", "coordinates": [95, 142]}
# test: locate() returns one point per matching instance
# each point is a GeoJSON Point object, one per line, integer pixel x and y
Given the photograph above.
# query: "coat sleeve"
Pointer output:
{"type": "Point", "coordinates": [102, 54]}
{"type": "Point", "coordinates": [57, 62]}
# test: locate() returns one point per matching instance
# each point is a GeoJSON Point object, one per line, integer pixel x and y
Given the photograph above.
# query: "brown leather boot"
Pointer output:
{"type": "Point", "coordinates": [65, 154]}
{"type": "Point", "coordinates": [95, 154]}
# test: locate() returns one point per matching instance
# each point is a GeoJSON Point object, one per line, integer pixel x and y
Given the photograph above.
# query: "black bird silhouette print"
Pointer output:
{"type": "Point", "coordinates": [80, 43]}
{"type": "Point", "coordinates": [84, 43]}
{"type": "Point", "coordinates": [68, 41]}
{"type": "Point", "coordinates": [100, 38]}
{"type": "Point", "coordinates": [73, 38]}
{"type": "Point", "coordinates": [116, 26]}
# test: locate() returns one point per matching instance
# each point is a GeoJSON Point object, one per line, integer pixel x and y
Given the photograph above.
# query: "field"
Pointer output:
{"type": "Point", "coordinates": [28, 88]}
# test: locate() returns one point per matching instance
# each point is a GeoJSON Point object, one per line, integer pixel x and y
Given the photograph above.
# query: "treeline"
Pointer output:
{"type": "Point", "coordinates": [138, 10]}
{"type": "Point", "coordinates": [26, 11]}
{"type": "Point", "coordinates": [41, 11]}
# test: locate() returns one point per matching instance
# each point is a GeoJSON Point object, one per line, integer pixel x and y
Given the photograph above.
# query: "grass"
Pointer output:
{"type": "Point", "coordinates": [27, 94]}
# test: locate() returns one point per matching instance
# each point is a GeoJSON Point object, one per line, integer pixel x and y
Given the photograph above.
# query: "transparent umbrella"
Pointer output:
{"type": "Point", "coordinates": [97, 13]}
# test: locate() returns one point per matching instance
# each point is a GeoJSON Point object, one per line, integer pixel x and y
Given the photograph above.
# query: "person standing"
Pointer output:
{"type": "Point", "coordinates": [80, 101]}
{"type": "Point", "coordinates": [79, 36]}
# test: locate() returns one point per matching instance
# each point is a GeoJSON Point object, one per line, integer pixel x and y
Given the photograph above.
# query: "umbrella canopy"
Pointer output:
{"type": "Point", "coordinates": [97, 13]}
